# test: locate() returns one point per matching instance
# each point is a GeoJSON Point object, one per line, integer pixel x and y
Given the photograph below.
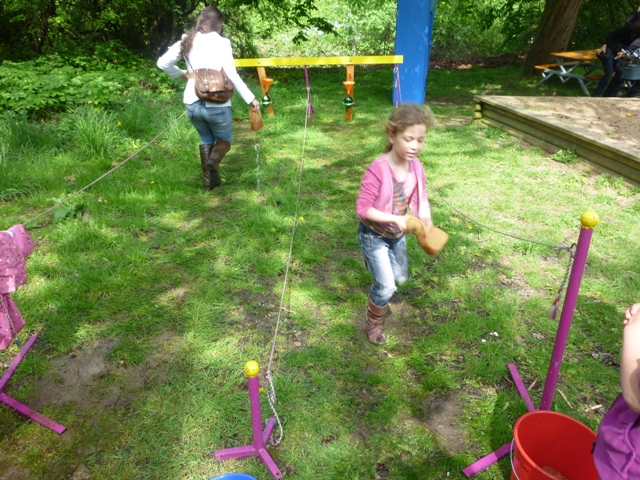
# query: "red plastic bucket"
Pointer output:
{"type": "Point", "coordinates": [555, 441]}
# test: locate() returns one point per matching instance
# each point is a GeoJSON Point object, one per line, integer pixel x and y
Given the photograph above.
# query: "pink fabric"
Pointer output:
{"type": "Point", "coordinates": [616, 452]}
{"type": "Point", "coordinates": [15, 245]}
{"type": "Point", "coordinates": [376, 189]}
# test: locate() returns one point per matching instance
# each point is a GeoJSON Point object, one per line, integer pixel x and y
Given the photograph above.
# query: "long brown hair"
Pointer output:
{"type": "Point", "coordinates": [406, 116]}
{"type": "Point", "coordinates": [210, 20]}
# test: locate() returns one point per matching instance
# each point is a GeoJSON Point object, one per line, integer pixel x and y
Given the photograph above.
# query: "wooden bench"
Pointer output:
{"type": "Point", "coordinates": [552, 66]}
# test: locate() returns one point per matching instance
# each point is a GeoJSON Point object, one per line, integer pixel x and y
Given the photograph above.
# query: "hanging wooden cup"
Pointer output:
{"type": "Point", "coordinates": [255, 118]}
{"type": "Point", "coordinates": [432, 240]}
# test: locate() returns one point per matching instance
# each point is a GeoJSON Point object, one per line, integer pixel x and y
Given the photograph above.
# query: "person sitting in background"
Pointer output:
{"type": "Point", "coordinates": [617, 449]}
{"type": "Point", "coordinates": [610, 54]}
{"type": "Point", "coordinates": [634, 17]}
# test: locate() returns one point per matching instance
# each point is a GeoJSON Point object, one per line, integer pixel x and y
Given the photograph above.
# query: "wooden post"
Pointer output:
{"type": "Point", "coordinates": [262, 74]}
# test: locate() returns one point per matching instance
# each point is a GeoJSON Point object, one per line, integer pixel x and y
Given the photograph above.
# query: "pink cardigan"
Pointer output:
{"type": "Point", "coordinates": [376, 189]}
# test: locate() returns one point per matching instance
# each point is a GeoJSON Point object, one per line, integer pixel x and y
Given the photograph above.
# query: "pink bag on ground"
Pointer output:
{"type": "Point", "coordinates": [15, 245]}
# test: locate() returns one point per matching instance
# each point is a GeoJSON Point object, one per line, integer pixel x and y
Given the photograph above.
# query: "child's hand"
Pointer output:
{"type": "Point", "coordinates": [632, 315]}
{"type": "Point", "coordinates": [401, 222]}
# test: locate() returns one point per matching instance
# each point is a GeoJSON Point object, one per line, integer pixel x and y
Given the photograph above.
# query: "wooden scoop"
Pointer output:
{"type": "Point", "coordinates": [432, 241]}
{"type": "Point", "coordinates": [255, 118]}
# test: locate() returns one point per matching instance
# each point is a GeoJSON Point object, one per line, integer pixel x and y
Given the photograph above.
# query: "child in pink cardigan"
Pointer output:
{"type": "Point", "coordinates": [392, 184]}
{"type": "Point", "coordinates": [617, 450]}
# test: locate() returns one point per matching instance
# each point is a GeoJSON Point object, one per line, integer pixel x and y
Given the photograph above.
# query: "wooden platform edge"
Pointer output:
{"type": "Point", "coordinates": [552, 138]}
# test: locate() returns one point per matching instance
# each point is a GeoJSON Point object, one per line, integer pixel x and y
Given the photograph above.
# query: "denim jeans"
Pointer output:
{"type": "Point", "coordinates": [211, 123]}
{"type": "Point", "coordinates": [387, 262]}
{"type": "Point", "coordinates": [607, 85]}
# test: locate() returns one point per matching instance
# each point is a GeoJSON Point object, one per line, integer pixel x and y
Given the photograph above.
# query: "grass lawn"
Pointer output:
{"type": "Point", "coordinates": [148, 294]}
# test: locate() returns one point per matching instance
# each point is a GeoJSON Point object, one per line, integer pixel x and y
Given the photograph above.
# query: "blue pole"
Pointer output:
{"type": "Point", "coordinates": [414, 37]}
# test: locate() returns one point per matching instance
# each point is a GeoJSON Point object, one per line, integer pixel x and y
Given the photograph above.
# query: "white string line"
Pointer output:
{"type": "Point", "coordinates": [271, 393]}
{"type": "Point", "coordinates": [467, 217]}
{"type": "Point", "coordinates": [256, 145]}
{"type": "Point", "coordinates": [105, 174]}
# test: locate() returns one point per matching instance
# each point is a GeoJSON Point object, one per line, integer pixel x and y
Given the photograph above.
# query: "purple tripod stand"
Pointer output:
{"type": "Point", "coordinates": [260, 437]}
{"type": "Point", "coordinates": [21, 407]}
{"type": "Point", "coordinates": [589, 220]}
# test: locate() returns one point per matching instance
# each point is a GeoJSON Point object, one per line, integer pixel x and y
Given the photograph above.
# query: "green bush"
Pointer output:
{"type": "Point", "coordinates": [54, 83]}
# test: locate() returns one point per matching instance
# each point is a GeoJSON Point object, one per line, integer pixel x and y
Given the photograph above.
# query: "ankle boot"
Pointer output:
{"type": "Point", "coordinates": [205, 152]}
{"type": "Point", "coordinates": [373, 324]}
{"type": "Point", "coordinates": [218, 152]}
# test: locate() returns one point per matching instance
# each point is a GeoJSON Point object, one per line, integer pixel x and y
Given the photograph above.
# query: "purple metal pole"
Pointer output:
{"type": "Point", "coordinates": [486, 461]}
{"type": "Point", "coordinates": [14, 364]}
{"type": "Point", "coordinates": [21, 407]}
{"type": "Point", "coordinates": [522, 390]}
{"type": "Point", "coordinates": [589, 220]}
{"type": "Point", "coordinates": [260, 437]}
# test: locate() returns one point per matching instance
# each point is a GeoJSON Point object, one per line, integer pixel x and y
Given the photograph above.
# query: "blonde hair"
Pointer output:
{"type": "Point", "coordinates": [406, 116]}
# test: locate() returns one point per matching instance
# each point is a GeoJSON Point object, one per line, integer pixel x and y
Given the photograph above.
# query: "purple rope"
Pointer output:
{"type": "Point", "coordinates": [397, 85]}
{"type": "Point", "coordinates": [310, 111]}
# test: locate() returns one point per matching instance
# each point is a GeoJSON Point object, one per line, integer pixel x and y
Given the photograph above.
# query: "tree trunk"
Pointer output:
{"type": "Point", "coordinates": [554, 32]}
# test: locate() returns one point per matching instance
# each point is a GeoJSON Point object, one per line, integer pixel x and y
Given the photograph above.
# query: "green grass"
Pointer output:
{"type": "Point", "coordinates": [148, 304]}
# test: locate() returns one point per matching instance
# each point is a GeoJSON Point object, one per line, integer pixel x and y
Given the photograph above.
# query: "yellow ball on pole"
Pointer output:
{"type": "Point", "coordinates": [589, 219]}
{"type": "Point", "coordinates": [251, 369]}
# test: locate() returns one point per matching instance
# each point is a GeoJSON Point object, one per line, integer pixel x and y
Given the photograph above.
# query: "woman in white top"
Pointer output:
{"type": "Point", "coordinates": [203, 47]}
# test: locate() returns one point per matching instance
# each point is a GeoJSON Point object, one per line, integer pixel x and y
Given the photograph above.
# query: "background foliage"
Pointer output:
{"type": "Point", "coordinates": [463, 28]}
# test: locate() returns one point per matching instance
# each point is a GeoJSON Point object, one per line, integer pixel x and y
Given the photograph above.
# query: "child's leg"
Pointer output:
{"type": "Point", "coordinates": [376, 252]}
{"type": "Point", "coordinates": [398, 258]}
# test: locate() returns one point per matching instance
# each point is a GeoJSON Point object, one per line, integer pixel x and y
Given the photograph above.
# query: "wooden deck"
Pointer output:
{"type": "Point", "coordinates": [554, 130]}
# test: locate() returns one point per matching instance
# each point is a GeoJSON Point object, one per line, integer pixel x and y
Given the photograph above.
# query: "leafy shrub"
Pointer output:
{"type": "Point", "coordinates": [565, 156]}
{"type": "Point", "coordinates": [54, 83]}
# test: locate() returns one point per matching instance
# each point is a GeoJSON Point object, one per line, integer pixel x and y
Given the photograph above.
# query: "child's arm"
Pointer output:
{"type": "Point", "coordinates": [376, 215]}
{"type": "Point", "coordinates": [630, 359]}
{"type": "Point", "coordinates": [426, 217]}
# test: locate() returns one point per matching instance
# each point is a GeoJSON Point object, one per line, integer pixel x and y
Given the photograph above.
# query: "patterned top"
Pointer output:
{"type": "Point", "coordinates": [400, 206]}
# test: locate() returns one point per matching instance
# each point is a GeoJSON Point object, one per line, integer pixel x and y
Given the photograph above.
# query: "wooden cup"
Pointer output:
{"type": "Point", "coordinates": [255, 118]}
{"type": "Point", "coordinates": [430, 240]}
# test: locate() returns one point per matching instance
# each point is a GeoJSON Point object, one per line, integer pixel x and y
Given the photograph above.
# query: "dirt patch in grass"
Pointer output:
{"type": "Point", "coordinates": [87, 378]}
{"type": "Point", "coordinates": [441, 419]}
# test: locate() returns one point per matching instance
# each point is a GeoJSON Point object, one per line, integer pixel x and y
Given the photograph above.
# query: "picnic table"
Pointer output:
{"type": "Point", "coordinates": [572, 65]}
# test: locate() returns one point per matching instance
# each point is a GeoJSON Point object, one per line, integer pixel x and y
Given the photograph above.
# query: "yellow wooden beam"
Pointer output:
{"type": "Point", "coordinates": [301, 61]}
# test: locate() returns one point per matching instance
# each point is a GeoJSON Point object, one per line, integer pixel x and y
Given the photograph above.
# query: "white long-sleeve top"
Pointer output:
{"type": "Point", "coordinates": [209, 50]}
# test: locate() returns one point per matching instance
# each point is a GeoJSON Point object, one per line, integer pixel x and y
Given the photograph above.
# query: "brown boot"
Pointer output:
{"type": "Point", "coordinates": [373, 324]}
{"type": "Point", "coordinates": [205, 152]}
{"type": "Point", "coordinates": [218, 152]}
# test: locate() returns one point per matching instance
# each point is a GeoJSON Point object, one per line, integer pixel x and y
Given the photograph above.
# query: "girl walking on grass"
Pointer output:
{"type": "Point", "coordinates": [203, 47]}
{"type": "Point", "coordinates": [391, 184]}
{"type": "Point", "coordinates": [617, 450]}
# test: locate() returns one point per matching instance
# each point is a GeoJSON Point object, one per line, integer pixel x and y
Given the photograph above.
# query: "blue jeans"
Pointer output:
{"type": "Point", "coordinates": [387, 262]}
{"type": "Point", "coordinates": [607, 85]}
{"type": "Point", "coordinates": [211, 123]}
